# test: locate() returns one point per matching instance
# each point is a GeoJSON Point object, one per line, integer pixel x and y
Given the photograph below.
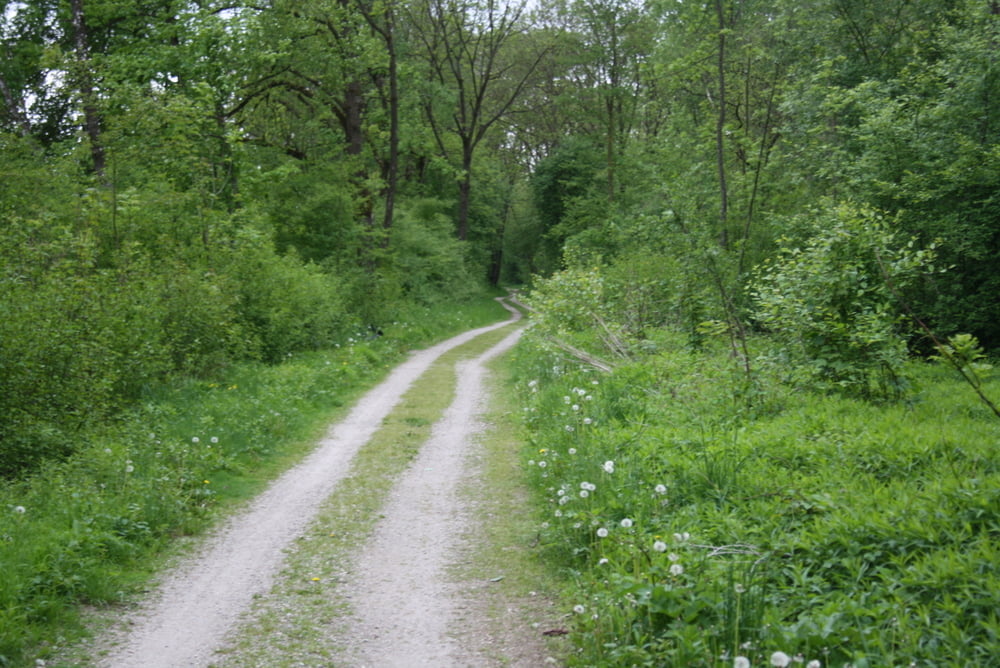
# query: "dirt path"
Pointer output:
{"type": "Point", "coordinates": [403, 603]}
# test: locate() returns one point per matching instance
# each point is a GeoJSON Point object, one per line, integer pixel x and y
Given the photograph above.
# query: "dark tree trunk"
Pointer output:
{"type": "Point", "coordinates": [85, 84]}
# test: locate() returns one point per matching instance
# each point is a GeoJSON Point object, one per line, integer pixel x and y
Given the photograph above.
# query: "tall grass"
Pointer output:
{"type": "Point", "coordinates": [87, 530]}
{"type": "Point", "coordinates": [695, 530]}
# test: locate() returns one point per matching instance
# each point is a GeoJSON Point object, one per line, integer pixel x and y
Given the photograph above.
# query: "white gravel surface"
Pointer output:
{"type": "Point", "coordinates": [403, 602]}
{"type": "Point", "coordinates": [407, 609]}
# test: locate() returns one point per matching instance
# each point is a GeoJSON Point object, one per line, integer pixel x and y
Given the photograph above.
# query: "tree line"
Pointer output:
{"type": "Point", "coordinates": [189, 184]}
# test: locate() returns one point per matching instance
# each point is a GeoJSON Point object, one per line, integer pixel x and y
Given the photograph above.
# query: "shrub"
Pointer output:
{"type": "Point", "coordinates": [833, 302]}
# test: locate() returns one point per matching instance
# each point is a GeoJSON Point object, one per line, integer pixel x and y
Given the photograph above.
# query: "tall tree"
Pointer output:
{"type": "Point", "coordinates": [471, 54]}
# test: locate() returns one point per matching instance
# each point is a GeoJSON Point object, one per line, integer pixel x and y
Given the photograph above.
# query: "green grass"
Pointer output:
{"type": "Point", "coordinates": [815, 525]}
{"type": "Point", "coordinates": [94, 527]}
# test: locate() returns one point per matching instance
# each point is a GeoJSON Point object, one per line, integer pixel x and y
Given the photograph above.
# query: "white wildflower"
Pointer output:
{"type": "Point", "coordinates": [602, 533]}
{"type": "Point", "coordinates": [626, 523]}
{"type": "Point", "coordinates": [676, 569]}
{"type": "Point", "coordinates": [780, 659]}
{"type": "Point", "coordinates": [741, 662]}
{"type": "Point", "coordinates": [660, 546]}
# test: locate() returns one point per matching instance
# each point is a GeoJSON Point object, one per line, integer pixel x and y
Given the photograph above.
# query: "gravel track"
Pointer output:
{"type": "Point", "coordinates": [408, 611]}
{"type": "Point", "coordinates": [198, 603]}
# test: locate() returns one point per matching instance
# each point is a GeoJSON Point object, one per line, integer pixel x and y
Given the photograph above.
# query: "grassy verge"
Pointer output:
{"type": "Point", "coordinates": [87, 532]}
{"type": "Point", "coordinates": [514, 589]}
{"type": "Point", "coordinates": [694, 530]}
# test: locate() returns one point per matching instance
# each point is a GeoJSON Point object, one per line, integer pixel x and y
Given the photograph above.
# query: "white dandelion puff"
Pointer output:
{"type": "Point", "coordinates": [780, 659]}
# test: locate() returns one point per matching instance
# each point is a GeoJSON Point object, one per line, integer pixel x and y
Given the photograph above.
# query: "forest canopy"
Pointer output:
{"type": "Point", "coordinates": [190, 184]}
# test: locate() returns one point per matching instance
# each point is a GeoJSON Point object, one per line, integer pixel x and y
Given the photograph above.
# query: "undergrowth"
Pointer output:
{"type": "Point", "coordinates": [87, 531]}
{"type": "Point", "coordinates": [814, 529]}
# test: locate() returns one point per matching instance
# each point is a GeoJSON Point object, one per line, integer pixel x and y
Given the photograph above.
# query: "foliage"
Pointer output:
{"type": "Point", "coordinates": [692, 531]}
{"type": "Point", "coordinates": [833, 303]}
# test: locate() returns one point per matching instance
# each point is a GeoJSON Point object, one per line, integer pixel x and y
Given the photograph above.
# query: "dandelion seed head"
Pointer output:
{"type": "Point", "coordinates": [584, 494]}
{"type": "Point", "coordinates": [673, 556]}
{"type": "Point", "coordinates": [660, 546]}
{"type": "Point", "coordinates": [602, 533]}
{"type": "Point", "coordinates": [587, 421]}
{"type": "Point", "coordinates": [626, 523]}
{"type": "Point", "coordinates": [602, 561]}
{"type": "Point", "coordinates": [20, 510]}
{"type": "Point", "coordinates": [572, 451]}
{"type": "Point", "coordinates": [609, 466]}
{"type": "Point", "coordinates": [741, 662]}
{"type": "Point", "coordinates": [739, 588]}
{"type": "Point", "coordinates": [579, 609]}
{"type": "Point", "coordinates": [214, 439]}
{"type": "Point", "coordinates": [660, 489]}
{"type": "Point", "coordinates": [780, 659]}
{"type": "Point", "coordinates": [814, 664]}
{"type": "Point", "coordinates": [676, 569]}
{"type": "Point", "coordinates": [195, 439]}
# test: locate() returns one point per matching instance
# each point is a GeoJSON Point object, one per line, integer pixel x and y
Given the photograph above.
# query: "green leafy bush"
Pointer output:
{"type": "Point", "coordinates": [832, 302]}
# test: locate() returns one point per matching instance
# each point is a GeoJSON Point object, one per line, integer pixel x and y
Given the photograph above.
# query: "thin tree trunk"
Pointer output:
{"type": "Point", "coordinates": [720, 129]}
{"type": "Point", "coordinates": [465, 191]}
{"type": "Point", "coordinates": [392, 171]}
{"type": "Point", "coordinates": [88, 96]}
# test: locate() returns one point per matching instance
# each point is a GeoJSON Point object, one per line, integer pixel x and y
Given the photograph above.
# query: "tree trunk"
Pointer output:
{"type": "Point", "coordinates": [720, 130]}
{"type": "Point", "coordinates": [465, 195]}
{"type": "Point", "coordinates": [392, 169]}
{"type": "Point", "coordinates": [85, 83]}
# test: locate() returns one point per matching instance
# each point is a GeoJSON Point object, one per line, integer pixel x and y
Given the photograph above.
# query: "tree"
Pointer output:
{"type": "Point", "coordinates": [470, 57]}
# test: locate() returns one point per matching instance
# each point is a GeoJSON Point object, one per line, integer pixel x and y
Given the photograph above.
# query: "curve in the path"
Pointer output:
{"type": "Point", "coordinates": [406, 607]}
{"type": "Point", "coordinates": [200, 601]}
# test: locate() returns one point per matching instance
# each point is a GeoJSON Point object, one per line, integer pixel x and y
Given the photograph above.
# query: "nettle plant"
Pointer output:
{"type": "Point", "coordinates": [833, 306]}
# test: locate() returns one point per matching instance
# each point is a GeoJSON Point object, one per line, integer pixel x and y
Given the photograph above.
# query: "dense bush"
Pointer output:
{"type": "Point", "coordinates": [87, 327]}
{"type": "Point", "coordinates": [834, 302]}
